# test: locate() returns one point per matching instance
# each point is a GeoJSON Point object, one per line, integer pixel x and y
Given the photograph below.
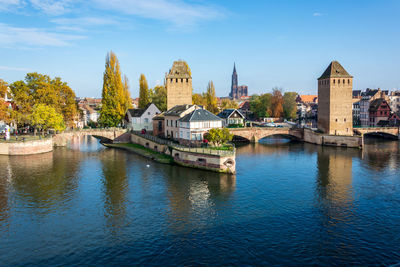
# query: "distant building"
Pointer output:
{"type": "Point", "coordinates": [335, 107]}
{"type": "Point", "coordinates": [237, 91]}
{"type": "Point", "coordinates": [171, 119]}
{"type": "Point", "coordinates": [366, 98]}
{"type": "Point", "coordinates": [394, 101]}
{"type": "Point", "coordinates": [356, 112]}
{"type": "Point", "coordinates": [138, 119]}
{"type": "Point", "coordinates": [244, 108]}
{"type": "Point", "coordinates": [379, 113]}
{"type": "Point", "coordinates": [159, 125]}
{"type": "Point", "coordinates": [231, 117]}
{"type": "Point", "coordinates": [307, 106]}
{"type": "Point", "coordinates": [195, 124]}
{"type": "Point", "coordinates": [178, 83]}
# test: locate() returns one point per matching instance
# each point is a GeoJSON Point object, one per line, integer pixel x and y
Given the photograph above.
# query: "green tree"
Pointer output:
{"type": "Point", "coordinates": [218, 136]}
{"type": "Point", "coordinates": [45, 117]}
{"type": "Point", "coordinates": [41, 89]}
{"type": "Point", "coordinates": [114, 97]}
{"type": "Point", "coordinates": [289, 105]}
{"type": "Point", "coordinates": [211, 99]}
{"type": "Point", "coordinates": [159, 97]}
{"type": "Point", "coordinates": [144, 97]}
{"type": "Point", "coordinates": [261, 105]}
{"type": "Point", "coordinates": [277, 103]}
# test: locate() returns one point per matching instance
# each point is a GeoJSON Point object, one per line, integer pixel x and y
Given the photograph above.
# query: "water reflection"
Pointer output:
{"type": "Point", "coordinates": [115, 186]}
{"type": "Point", "coordinates": [194, 196]}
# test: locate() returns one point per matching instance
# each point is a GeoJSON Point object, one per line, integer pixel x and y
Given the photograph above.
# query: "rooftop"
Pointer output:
{"type": "Point", "coordinates": [177, 110]}
{"type": "Point", "coordinates": [226, 113]}
{"type": "Point", "coordinates": [200, 115]}
{"type": "Point", "coordinates": [180, 69]}
{"type": "Point", "coordinates": [335, 70]}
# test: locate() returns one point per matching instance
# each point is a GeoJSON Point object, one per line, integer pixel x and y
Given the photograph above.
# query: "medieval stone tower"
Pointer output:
{"type": "Point", "coordinates": [179, 84]}
{"type": "Point", "coordinates": [335, 106]}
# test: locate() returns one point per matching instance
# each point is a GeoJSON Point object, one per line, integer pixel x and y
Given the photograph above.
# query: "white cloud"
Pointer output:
{"type": "Point", "coordinates": [84, 21]}
{"type": "Point", "coordinates": [177, 12]}
{"type": "Point", "coordinates": [6, 5]}
{"type": "Point", "coordinates": [13, 68]}
{"type": "Point", "coordinates": [52, 7]}
{"type": "Point", "coordinates": [17, 36]}
{"type": "Point", "coordinates": [316, 14]}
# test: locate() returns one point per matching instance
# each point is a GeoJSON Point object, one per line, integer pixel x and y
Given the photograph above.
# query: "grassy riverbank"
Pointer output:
{"type": "Point", "coordinates": [143, 151]}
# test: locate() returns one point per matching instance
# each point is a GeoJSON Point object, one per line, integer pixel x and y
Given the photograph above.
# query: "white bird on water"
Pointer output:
{"type": "Point", "coordinates": [147, 165]}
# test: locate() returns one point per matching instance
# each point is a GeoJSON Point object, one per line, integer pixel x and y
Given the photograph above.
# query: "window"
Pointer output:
{"type": "Point", "coordinates": [336, 120]}
{"type": "Point", "coordinates": [338, 81]}
{"type": "Point", "coordinates": [171, 80]}
{"type": "Point", "coordinates": [344, 120]}
{"type": "Point", "coordinates": [181, 80]}
{"type": "Point", "coordinates": [176, 79]}
{"type": "Point", "coordinates": [348, 81]}
{"type": "Point", "coordinates": [187, 80]}
{"type": "Point", "coordinates": [148, 113]}
{"type": "Point", "coordinates": [181, 134]}
{"type": "Point", "coordinates": [333, 81]}
{"type": "Point", "coordinates": [344, 81]}
{"type": "Point", "coordinates": [188, 135]}
{"type": "Point", "coordinates": [167, 122]}
{"type": "Point", "coordinates": [146, 120]}
{"type": "Point", "coordinates": [176, 123]}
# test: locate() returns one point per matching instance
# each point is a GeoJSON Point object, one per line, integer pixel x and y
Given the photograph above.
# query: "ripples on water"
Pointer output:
{"type": "Point", "coordinates": [289, 204]}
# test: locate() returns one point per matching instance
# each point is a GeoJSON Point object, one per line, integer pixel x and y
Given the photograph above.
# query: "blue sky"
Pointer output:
{"type": "Point", "coordinates": [285, 44]}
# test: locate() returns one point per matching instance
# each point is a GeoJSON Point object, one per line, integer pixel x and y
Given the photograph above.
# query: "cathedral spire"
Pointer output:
{"type": "Point", "coordinates": [234, 67]}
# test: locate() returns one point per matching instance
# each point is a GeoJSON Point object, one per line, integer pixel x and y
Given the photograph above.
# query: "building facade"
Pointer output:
{"type": "Point", "coordinates": [394, 101]}
{"type": "Point", "coordinates": [379, 113]}
{"type": "Point", "coordinates": [335, 107]}
{"type": "Point", "coordinates": [366, 98]}
{"type": "Point", "coordinates": [237, 91]}
{"type": "Point", "coordinates": [178, 83]}
{"type": "Point", "coordinates": [232, 118]}
{"type": "Point", "coordinates": [139, 119]}
{"type": "Point", "coordinates": [171, 119]}
{"type": "Point", "coordinates": [195, 124]}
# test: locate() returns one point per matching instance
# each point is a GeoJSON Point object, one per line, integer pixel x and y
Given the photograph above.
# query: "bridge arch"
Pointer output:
{"type": "Point", "coordinates": [384, 135]}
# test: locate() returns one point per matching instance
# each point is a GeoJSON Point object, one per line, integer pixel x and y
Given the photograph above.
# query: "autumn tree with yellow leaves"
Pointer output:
{"type": "Point", "coordinates": [115, 95]}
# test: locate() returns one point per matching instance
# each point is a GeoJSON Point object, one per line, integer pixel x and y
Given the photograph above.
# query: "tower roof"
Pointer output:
{"type": "Point", "coordinates": [335, 70]}
{"type": "Point", "coordinates": [234, 67]}
{"type": "Point", "coordinates": [180, 69]}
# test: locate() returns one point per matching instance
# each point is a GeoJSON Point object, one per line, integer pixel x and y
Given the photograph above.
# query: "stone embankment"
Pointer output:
{"type": "Point", "coordinates": [63, 138]}
{"type": "Point", "coordinates": [201, 158]}
{"type": "Point", "coordinates": [27, 147]}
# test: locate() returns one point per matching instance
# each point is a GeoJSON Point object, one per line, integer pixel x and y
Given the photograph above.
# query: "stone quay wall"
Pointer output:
{"type": "Point", "coordinates": [27, 147]}
{"type": "Point", "coordinates": [200, 158]}
{"type": "Point", "coordinates": [217, 163]}
{"type": "Point", "coordinates": [332, 140]}
{"type": "Point", "coordinates": [63, 138]}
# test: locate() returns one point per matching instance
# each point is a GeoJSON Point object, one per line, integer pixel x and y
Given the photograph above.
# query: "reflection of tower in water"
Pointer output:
{"type": "Point", "coordinates": [335, 175]}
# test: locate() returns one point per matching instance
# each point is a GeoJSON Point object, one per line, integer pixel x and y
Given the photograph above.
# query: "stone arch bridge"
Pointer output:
{"type": "Point", "coordinates": [387, 132]}
{"type": "Point", "coordinates": [254, 134]}
{"type": "Point", "coordinates": [111, 133]}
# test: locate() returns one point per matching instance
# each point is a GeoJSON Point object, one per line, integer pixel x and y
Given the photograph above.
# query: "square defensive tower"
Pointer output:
{"type": "Point", "coordinates": [179, 85]}
{"type": "Point", "coordinates": [335, 107]}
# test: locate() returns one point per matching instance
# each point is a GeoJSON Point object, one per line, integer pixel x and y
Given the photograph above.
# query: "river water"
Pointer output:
{"type": "Point", "coordinates": [289, 204]}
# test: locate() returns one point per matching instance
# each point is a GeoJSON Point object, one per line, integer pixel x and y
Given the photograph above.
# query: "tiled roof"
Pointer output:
{"type": "Point", "coordinates": [335, 70]}
{"type": "Point", "coordinates": [177, 110]}
{"type": "Point", "coordinates": [200, 115]}
{"type": "Point", "coordinates": [375, 104]}
{"type": "Point", "coordinates": [309, 98]}
{"type": "Point", "coordinates": [226, 113]}
{"type": "Point", "coordinates": [138, 112]}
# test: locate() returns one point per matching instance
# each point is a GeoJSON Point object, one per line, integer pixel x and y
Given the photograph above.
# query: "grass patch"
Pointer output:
{"type": "Point", "coordinates": [20, 138]}
{"type": "Point", "coordinates": [144, 151]}
{"type": "Point", "coordinates": [225, 148]}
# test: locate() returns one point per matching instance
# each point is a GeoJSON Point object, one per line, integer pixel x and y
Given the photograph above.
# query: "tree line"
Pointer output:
{"type": "Point", "coordinates": [39, 101]}
{"type": "Point", "coordinates": [275, 104]}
